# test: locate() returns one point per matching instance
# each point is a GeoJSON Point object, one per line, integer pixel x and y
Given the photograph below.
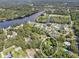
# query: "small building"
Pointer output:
{"type": "Point", "coordinates": [17, 49]}
{"type": "Point", "coordinates": [9, 55]}
{"type": "Point", "coordinates": [31, 53]}
{"type": "Point", "coordinates": [67, 43]}
{"type": "Point", "coordinates": [14, 34]}
{"type": "Point", "coordinates": [21, 25]}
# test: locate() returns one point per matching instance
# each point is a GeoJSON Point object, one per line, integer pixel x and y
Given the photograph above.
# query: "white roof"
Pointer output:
{"type": "Point", "coordinates": [17, 49]}
{"type": "Point", "coordinates": [67, 43]}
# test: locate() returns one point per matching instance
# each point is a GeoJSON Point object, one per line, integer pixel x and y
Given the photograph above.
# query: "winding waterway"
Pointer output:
{"type": "Point", "coordinates": [23, 20]}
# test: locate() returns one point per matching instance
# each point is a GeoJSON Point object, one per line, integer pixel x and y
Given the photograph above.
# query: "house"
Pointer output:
{"type": "Point", "coordinates": [9, 55]}
{"type": "Point", "coordinates": [14, 34]}
{"type": "Point", "coordinates": [18, 48]}
{"type": "Point", "coordinates": [31, 53]}
{"type": "Point", "coordinates": [67, 43]}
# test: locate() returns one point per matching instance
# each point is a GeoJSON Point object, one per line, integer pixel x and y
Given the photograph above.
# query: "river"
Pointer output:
{"type": "Point", "coordinates": [23, 20]}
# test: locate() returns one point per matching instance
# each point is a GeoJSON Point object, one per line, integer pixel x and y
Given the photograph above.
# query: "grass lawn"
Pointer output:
{"type": "Point", "coordinates": [59, 19]}
{"type": "Point", "coordinates": [19, 53]}
{"type": "Point", "coordinates": [42, 19]}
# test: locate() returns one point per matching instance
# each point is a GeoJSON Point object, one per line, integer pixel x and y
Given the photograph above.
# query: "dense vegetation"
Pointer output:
{"type": "Point", "coordinates": [57, 35]}
{"type": "Point", "coordinates": [31, 36]}
{"type": "Point", "coordinates": [16, 12]}
{"type": "Point", "coordinates": [57, 15]}
{"type": "Point", "coordinates": [76, 27]}
{"type": "Point", "coordinates": [75, 19]}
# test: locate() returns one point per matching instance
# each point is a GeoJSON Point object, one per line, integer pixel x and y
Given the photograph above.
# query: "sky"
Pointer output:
{"type": "Point", "coordinates": [26, 1]}
{"type": "Point", "coordinates": [35, 0]}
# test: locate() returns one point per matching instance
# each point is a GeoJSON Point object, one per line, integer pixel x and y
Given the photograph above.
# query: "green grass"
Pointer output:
{"type": "Point", "coordinates": [42, 19]}
{"type": "Point", "coordinates": [15, 54]}
{"type": "Point", "coordinates": [21, 53]}
{"type": "Point", "coordinates": [59, 19]}
{"type": "Point", "coordinates": [0, 56]}
{"type": "Point", "coordinates": [8, 50]}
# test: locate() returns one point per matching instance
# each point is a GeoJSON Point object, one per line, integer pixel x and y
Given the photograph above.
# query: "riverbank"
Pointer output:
{"type": "Point", "coordinates": [18, 11]}
{"type": "Point", "coordinates": [22, 20]}
{"type": "Point", "coordinates": [20, 17]}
